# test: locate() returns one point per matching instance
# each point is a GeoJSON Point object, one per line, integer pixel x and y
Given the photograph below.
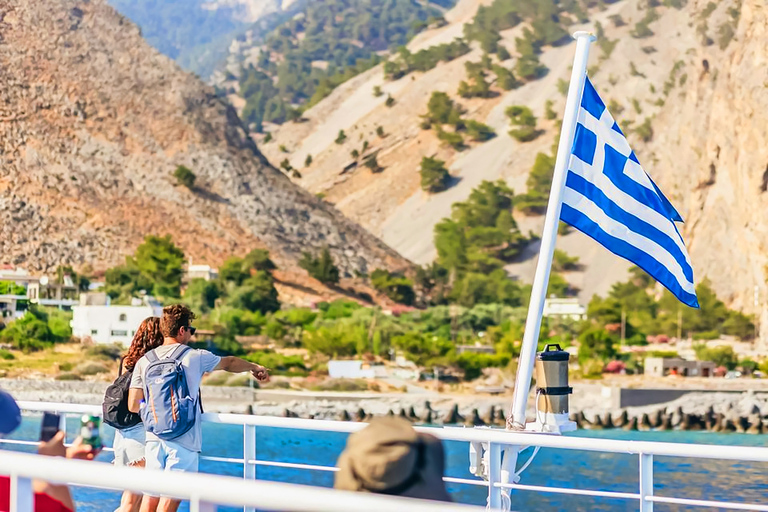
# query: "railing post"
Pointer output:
{"type": "Point", "coordinates": [646, 481]}
{"type": "Point", "coordinates": [21, 494]}
{"type": "Point", "coordinates": [195, 505]}
{"type": "Point", "coordinates": [249, 454]}
{"type": "Point", "coordinates": [494, 476]}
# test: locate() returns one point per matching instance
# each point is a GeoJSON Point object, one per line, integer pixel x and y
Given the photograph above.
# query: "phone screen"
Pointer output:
{"type": "Point", "coordinates": [49, 426]}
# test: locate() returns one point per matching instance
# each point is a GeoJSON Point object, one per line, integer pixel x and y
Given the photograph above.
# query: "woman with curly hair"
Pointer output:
{"type": "Point", "coordinates": [129, 442]}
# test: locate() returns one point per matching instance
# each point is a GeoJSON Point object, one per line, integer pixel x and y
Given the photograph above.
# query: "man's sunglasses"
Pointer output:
{"type": "Point", "coordinates": [192, 330]}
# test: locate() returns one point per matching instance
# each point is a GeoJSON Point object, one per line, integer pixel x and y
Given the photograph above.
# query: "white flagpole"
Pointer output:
{"type": "Point", "coordinates": [541, 279]}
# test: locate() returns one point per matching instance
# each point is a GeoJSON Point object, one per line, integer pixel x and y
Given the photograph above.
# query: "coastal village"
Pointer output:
{"type": "Point", "coordinates": [672, 388]}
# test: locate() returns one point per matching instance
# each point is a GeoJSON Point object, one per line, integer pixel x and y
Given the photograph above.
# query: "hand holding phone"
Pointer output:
{"type": "Point", "coordinates": [49, 427]}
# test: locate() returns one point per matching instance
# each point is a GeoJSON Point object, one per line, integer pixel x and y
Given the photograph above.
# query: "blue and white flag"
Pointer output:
{"type": "Point", "coordinates": [609, 197]}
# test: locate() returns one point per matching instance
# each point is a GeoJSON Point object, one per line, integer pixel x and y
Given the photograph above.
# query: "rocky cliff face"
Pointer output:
{"type": "Point", "coordinates": [93, 122]}
{"type": "Point", "coordinates": [712, 137]}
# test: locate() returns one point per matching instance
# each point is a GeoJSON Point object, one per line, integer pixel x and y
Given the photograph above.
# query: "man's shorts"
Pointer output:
{"type": "Point", "coordinates": [170, 456]}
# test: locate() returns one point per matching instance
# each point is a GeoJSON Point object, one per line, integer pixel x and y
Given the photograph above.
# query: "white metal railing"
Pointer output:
{"type": "Point", "coordinates": [496, 441]}
{"type": "Point", "coordinates": [204, 492]}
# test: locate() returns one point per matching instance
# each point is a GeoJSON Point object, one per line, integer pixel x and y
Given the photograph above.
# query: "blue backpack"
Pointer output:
{"type": "Point", "coordinates": [169, 411]}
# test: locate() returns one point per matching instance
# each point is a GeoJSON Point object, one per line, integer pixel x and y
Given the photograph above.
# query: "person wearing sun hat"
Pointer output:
{"type": "Point", "coordinates": [10, 415]}
{"type": "Point", "coordinates": [390, 457]}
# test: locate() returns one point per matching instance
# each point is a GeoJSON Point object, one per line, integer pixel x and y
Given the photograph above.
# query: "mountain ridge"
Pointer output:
{"type": "Point", "coordinates": [644, 55]}
{"type": "Point", "coordinates": [93, 123]}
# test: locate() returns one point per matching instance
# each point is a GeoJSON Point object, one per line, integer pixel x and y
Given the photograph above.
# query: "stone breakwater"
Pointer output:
{"type": "Point", "coordinates": [717, 412]}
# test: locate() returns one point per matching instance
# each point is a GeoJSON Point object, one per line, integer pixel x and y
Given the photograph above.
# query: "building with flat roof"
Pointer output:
{"type": "Point", "coordinates": [108, 324]}
{"type": "Point", "coordinates": [665, 366]}
{"type": "Point", "coordinates": [564, 308]}
{"type": "Point", "coordinates": [200, 272]}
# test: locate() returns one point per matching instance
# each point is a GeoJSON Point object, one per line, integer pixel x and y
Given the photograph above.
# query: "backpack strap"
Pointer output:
{"type": "Point", "coordinates": [151, 356]}
{"type": "Point", "coordinates": [178, 352]}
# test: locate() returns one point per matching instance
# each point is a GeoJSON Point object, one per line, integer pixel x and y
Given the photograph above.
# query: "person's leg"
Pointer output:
{"type": "Point", "coordinates": [178, 459]}
{"type": "Point", "coordinates": [149, 503]}
{"type": "Point", "coordinates": [131, 502]}
{"type": "Point", "coordinates": [154, 458]}
{"type": "Point", "coordinates": [168, 505]}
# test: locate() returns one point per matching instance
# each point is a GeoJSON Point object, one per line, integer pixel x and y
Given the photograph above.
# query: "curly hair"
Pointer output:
{"type": "Point", "coordinates": [147, 337]}
{"type": "Point", "coordinates": [174, 318]}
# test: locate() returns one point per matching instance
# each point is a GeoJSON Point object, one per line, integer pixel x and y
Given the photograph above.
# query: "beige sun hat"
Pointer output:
{"type": "Point", "coordinates": [390, 457]}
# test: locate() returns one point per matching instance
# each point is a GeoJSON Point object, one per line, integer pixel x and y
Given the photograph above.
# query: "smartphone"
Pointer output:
{"type": "Point", "coordinates": [49, 426]}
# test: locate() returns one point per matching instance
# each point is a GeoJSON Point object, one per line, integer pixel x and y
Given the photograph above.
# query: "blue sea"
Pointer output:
{"type": "Point", "coordinates": [702, 479]}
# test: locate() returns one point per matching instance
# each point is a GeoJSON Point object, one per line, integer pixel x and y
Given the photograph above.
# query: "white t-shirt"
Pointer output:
{"type": "Point", "coordinates": [196, 363]}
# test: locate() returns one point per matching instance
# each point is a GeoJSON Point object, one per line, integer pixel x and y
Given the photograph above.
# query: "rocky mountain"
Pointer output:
{"type": "Point", "coordinates": [93, 124]}
{"type": "Point", "coordinates": [685, 78]}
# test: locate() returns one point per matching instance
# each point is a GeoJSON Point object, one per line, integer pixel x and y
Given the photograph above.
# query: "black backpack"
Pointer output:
{"type": "Point", "coordinates": [115, 406]}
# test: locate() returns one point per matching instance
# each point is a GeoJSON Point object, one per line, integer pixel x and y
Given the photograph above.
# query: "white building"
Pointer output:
{"type": "Point", "coordinates": [107, 324]}
{"type": "Point", "coordinates": [355, 370]}
{"type": "Point", "coordinates": [564, 308]}
{"type": "Point", "coordinates": [200, 272]}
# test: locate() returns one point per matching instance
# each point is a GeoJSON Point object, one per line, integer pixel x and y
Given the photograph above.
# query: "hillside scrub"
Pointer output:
{"type": "Point", "coordinates": [184, 176]}
{"type": "Point", "coordinates": [534, 202]}
{"type": "Point", "coordinates": [320, 267]}
{"type": "Point", "coordinates": [523, 118]}
{"type": "Point", "coordinates": [434, 176]}
{"type": "Point", "coordinates": [395, 286]}
{"type": "Point", "coordinates": [476, 86]}
{"type": "Point", "coordinates": [406, 62]}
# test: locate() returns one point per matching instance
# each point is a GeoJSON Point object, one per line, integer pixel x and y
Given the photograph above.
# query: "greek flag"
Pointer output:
{"type": "Point", "coordinates": [609, 197]}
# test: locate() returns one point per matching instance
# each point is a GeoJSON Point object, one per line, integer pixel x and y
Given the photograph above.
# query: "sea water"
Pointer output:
{"type": "Point", "coordinates": [675, 477]}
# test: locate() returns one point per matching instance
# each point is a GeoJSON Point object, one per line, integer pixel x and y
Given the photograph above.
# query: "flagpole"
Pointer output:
{"type": "Point", "coordinates": [516, 420]}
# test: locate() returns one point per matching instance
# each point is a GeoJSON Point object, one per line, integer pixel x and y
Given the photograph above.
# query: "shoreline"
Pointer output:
{"type": "Point", "coordinates": [589, 402]}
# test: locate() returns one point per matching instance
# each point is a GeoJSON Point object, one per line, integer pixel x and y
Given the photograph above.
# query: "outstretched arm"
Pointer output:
{"type": "Point", "coordinates": [234, 364]}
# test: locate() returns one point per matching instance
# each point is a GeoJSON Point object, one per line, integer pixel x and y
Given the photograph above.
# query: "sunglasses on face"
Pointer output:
{"type": "Point", "coordinates": [192, 330]}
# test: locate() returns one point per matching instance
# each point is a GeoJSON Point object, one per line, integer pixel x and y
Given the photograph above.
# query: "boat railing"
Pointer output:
{"type": "Point", "coordinates": [495, 440]}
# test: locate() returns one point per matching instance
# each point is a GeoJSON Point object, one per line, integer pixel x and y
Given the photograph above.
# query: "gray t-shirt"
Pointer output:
{"type": "Point", "coordinates": [195, 363]}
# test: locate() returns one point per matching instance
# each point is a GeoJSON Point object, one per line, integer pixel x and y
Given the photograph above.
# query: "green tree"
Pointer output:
{"type": "Point", "coordinates": [503, 53]}
{"type": "Point", "coordinates": [257, 293]}
{"type": "Point", "coordinates": [156, 267]}
{"type": "Point", "coordinates": [479, 132]}
{"type": "Point", "coordinates": [308, 161]}
{"type": "Point", "coordinates": [539, 181]}
{"type": "Point", "coordinates": [341, 137]}
{"type": "Point", "coordinates": [721, 356]}
{"type": "Point", "coordinates": [322, 267]}
{"type": "Point", "coordinates": [162, 263]}
{"type": "Point", "coordinates": [475, 243]}
{"type": "Point", "coordinates": [338, 339]}
{"type": "Point", "coordinates": [33, 331]}
{"type": "Point", "coordinates": [561, 261]}
{"type": "Point", "coordinates": [522, 117]}
{"type": "Point", "coordinates": [442, 110]}
{"type": "Point", "coordinates": [202, 294]}
{"type": "Point", "coordinates": [397, 287]}
{"type": "Point", "coordinates": [452, 139]}
{"type": "Point", "coordinates": [549, 112]}
{"type": "Point", "coordinates": [184, 176]}
{"type": "Point", "coordinates": [596, 343]}
{"type": "Point", "coordinates": [505, 78]}
{"type": "Point", "coordinates": [434, 175]}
